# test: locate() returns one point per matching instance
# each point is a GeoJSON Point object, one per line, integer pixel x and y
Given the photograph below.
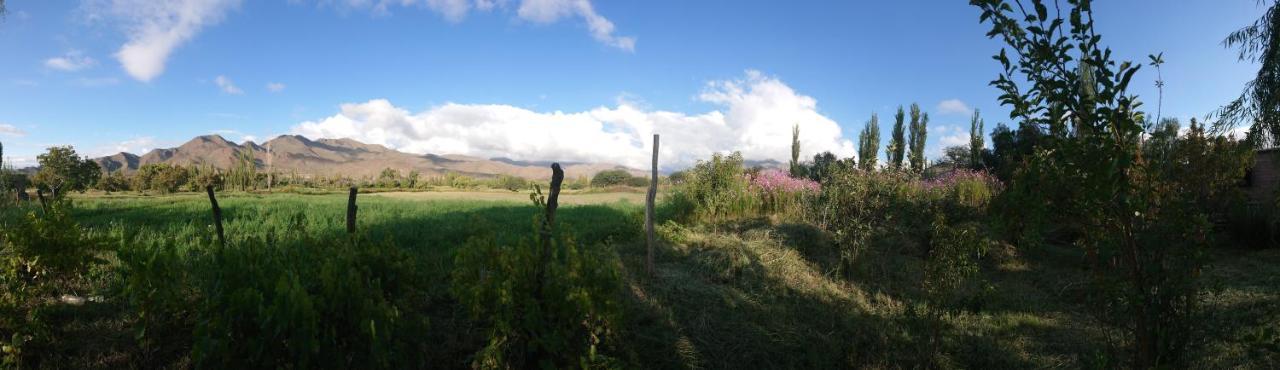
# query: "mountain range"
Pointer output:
{"type": "Point", "coordinates": [345, 157]}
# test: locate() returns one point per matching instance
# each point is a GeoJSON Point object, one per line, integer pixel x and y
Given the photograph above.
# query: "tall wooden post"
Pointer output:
{"type": "Point", "coordinates": [44, 207]}
{"type": "Point", "coordinates": [648, 209]}
{"type": "Point", "coordinates": [351, 211]}
{"type": "Point", "coordinates": [217, 215]}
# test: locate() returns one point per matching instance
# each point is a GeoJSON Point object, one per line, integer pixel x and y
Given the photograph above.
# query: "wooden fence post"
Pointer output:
{"type": "Point", "coordinates": [217, 215]}
{"type": "Point", "coordinates": [351, 211]}
{"type": "Point", "coordinates": [44, 207]}
{"type": "Point", "coordinates": [648, 209]}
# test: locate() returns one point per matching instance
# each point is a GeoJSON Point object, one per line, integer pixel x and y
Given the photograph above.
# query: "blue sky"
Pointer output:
{"type": "Point", "coordinates": [493, 77]}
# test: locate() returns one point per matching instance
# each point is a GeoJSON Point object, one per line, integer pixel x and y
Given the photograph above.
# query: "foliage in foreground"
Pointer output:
{"type": "Point", "coordinates": [1135, 219]}
{"type": "Point", "coordinates": [44, 253]}
{"type": "Point", "coordinates": [279, 300]}
{"type": "Point", "coordinates": [545, 301]}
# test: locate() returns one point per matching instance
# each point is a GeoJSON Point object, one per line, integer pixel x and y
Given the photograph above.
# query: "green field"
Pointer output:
{"type": "Point", "coordinates": [753, 293]}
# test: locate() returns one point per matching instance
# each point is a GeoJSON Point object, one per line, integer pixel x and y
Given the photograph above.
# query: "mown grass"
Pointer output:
{"type": "Point", "coordinates": [755, 293]}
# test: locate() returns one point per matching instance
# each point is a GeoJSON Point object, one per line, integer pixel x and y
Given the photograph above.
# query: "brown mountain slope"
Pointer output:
{"type": "Point", "coordinates": [345, 157]}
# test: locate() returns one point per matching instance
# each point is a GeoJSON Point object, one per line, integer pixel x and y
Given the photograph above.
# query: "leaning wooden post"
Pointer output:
{"type": "Point", "coordinates": [648, 209]}
{"type": "Point", "coordinates": [351, 211]}
{"type": "Point", "coordinates": [548, 224]}
{"type": "Point", "coordinates": [553, 201]}
{"type": "Point", "coordinates": [44, 207]}
{"type": "Point", "coordinates": [217, 215]}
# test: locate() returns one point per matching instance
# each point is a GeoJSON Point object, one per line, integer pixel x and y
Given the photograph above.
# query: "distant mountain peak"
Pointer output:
{"type": "Point", "coordinates": [343, 157]}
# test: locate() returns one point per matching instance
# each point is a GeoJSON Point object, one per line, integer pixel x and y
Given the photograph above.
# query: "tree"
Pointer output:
{"type": "Point", "coordinates": [609, 178]}
{"type": "Point", "coordinates": [1140, 232]}
{"type": "Point", "coordinates": [62, 170]}
{"type": "Point", "coordinates": [956, 156]}
{"type": "Point", "coordinates": [975, 141]}
{"type": "Point", "coordinates": [1259, 105]}
{"type": "Point", "coordinates": [389, 178]}
{"type": "Point", "coordinates": [869, 143]}
{"type": "Point", "coordinates": [897, 143]}
{"type": "Point", "coordinates": [824, 164]}
{"type": "Point", "coordinates": [916, 139]}
{"type": "Point", "coordinates": [797, 169]}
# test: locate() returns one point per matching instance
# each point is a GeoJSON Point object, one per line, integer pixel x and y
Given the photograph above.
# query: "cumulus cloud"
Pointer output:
{"type": "Point", "coordinates": [11, 130]}
{"type": "Point", "coordinates": [953, 106]}
{"type": "Point", "coordinates": [72, 61]}
{"type": "Point", "coordinates": [548, 11]}
{"type": "Point", "coordinates": [536, 11]}
{"type": "Point", "coordinates": [754, 115]}
{"type": "Point", "coordinates": [227, 86]}
{"type": "Point", "coordinates": [275, 87]}
{"type": "Point", "coordinates": [138, 145]}
{"type": "Point", "coordinates": [155, 28]}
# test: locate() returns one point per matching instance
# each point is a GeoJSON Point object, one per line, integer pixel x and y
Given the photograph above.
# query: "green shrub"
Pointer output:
{"type": "Point", "coordinates": [543, 308]}
{"type": "Point", "coordinates": [289, 301]}
{"type": "Point", "coordinates": [512, 183]}
{"type": "Point", "coordinates": [713, 191]}
{"type": "Point", "coordinates": [43, 254]}
{"type": "Point", "coordinates": [608, 178]}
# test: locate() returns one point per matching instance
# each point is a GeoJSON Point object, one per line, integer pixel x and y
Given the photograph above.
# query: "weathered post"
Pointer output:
{"type": "Point", "coordinates": [351, 211]}
{"type": "Point", "coordinates": [648, 209]}
{"type": "Point", "coordinates": [217, 215]}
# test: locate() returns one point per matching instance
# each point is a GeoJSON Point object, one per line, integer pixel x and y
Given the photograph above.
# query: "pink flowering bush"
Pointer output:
{"type": "Point", "coordinates": [782, 194]}
{"type": "Point", "coordinates": [972, 189]}
{"type": "Point", "coordinates": [775, 181]}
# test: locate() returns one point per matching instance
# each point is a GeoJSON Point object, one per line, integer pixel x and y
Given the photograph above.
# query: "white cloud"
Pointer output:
{"type": "Point", "coordinates": [227, 86]}
{"type": "Point", "coordinates": [953, 106]}
{"type": "Point", "coordinates": [138, 145]}
{"type": "Point", "coordinates": [155, 28]}
{"type": "Point", "coordinates": [72, 61]}
{"type": "Point", "coordinates": [755, 116]}
{"type": "Point", "coordinates": [537, 11]}
{"type": "Point", "coordinates": [549, 11]}
{"type": "Point", "coordinates": [11, 130]}
{"type": "Point", "coordinates": [275, 87]}
{"type": "Point", "coordinates": [20, 162]}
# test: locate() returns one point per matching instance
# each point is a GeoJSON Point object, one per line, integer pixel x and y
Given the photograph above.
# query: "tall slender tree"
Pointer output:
{"type": "Point", "coordinates": [897, 143]}
{"type": "Point", "coordinates": [1259, 105]}
{"type": "Point", "coordinates": [975, 140]}
{"type": "Point", "coordinates": [869, 144]}
{"type": "Point", "coordinates": [916, 138]}
{"type": "Point", "coordinates": [796, 170]}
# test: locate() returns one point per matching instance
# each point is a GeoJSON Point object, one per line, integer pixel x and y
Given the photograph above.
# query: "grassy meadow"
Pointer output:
{"type": "Point", "coordinates": [756, 292]}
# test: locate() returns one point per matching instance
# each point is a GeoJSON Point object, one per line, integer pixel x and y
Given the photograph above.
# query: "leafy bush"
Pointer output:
{"type": "Point", "coordinates": [512, 183]}
{"type": "Point", "coordinates": [713, 191]}
{"type": "Point", "coordinates": [781, 193]}
{"type": "Point", "coordinates": [1137, 219]}
{"type": "Point", "coordinates": [47, 245]}
{"type": "Point", "coordinates": [43, 254]}
{"type": "Point", "coordinates": [608, 178]}
{"type": "Point", "coordinates": [545, 301]}
{"type": "Point", "coordinates": [292, 301]}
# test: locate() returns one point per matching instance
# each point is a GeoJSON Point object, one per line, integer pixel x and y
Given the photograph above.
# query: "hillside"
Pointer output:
{"type": "Point", "coordinates": [346, 157]}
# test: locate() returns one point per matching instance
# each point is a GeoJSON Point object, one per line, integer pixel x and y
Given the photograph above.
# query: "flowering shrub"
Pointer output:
{"type": "Point", "coordinates": [951, 179]}
{"type": "Point", "coordinates": [774, 181]}
{"type": "Point", "coordinates": [780, 193]}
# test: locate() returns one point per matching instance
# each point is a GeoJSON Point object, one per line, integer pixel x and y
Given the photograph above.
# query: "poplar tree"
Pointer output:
{"type": "Point", "coordinates": [869, 144]}
{"type": "Point", "coordinates": [975, 140]}
{"type": "Point", "coordinates": [916, 138]}
{"type": "Point", "coordinates": [897, 143]}
{"type": "Point", "coordinates": [795, 151]}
